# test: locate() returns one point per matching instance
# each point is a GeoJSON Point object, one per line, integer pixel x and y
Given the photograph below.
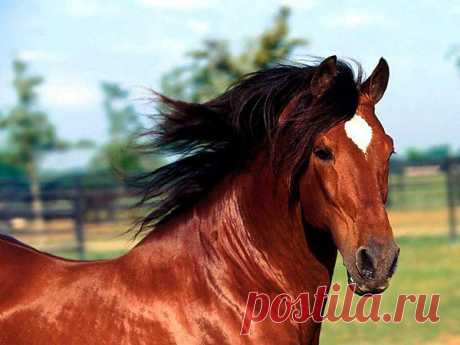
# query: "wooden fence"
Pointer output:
{"type": "Point", "coordinates": [424, 185]}
{"type": "Point", "coordinates": [427, 185]}
{"type": "Point", "coordinates": [75, 200]}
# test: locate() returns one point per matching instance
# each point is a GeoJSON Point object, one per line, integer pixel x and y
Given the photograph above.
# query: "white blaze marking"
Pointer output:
{"type": "Point", "coordinates": [359, 131]}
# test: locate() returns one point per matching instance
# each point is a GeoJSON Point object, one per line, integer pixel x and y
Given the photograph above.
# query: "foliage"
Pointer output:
{"type": "Point", "coordinates": [120, 152]}
{"type": "Point", "coordinates": [7, 170]}
{"type": "Point", "coordinates": [29, 134]}
{"type": "Point", "coordinates": [214, 67]}
{"type": "Point", "coordinates": [122, 118]}
{"type": "Point", "coordinates": [453, 53]}
{"type": "Point", "coordinates": [437, 152]}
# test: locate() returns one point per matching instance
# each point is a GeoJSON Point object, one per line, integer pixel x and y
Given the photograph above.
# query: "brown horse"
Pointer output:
{"type": "Point", "coordinates": [274, 176]}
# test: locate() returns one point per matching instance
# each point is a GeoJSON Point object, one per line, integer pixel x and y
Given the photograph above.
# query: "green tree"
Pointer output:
{"type": "Point", "coordinates": [453, 53]}
{"type": "Point", "coordinates": [214, 67]}
{"type": "Point", "coordinates": [28, 133]}
{"type": "Point", "coordinates": [123, 120]}
{"type": "Point", "coordinates": [119, 152]}
{"type": "Point", "coordinates": [9, 171]}
{"type": "Point", "coordinates": [433, 153]}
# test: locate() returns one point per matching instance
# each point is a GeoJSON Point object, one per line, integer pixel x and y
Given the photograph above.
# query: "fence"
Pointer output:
{"type": "Point", "coordinates": [78, 199]}
{"type": "Point", "coordinates": [426, 193]}
{"type": "Point", "coordinates": [423, 198]}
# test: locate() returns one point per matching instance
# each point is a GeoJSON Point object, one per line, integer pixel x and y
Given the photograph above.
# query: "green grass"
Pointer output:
{"type": "Point", "coordinates": [421, 192]}
{"type": "Point", "coordinates": [427, 265]}
{"type": "Point", "coordinates": [90, 255]}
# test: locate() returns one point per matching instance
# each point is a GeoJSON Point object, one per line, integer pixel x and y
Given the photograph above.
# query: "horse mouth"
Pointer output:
{"type": "Point", "coordinates": [360, 289]}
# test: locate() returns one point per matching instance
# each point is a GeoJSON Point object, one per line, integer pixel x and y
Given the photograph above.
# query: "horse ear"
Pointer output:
{"type": "Point", "coordinates": [374, 87]}
{"type": "Point", "coordinates": [324, 76]}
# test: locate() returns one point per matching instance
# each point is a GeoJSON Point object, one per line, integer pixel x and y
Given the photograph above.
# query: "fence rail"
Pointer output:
{"type": "Point", "coordinates": [75, 201]}
{"type": "Point", "coordinates": [413, 186]}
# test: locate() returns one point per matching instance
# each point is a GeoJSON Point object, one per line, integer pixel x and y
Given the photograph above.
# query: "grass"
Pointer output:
{"type": "Point", "coordinates": [417, 192]}
{"type": "Point", "coordinates": [428, 264]}
{"type": "Point", "coordinates": [433, 222]}
{"type": "Point", "coordinates": [91, 255]}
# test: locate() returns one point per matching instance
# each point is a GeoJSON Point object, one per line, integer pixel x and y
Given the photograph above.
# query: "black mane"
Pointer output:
{"type": "Point", "coordinates": [215, 138]}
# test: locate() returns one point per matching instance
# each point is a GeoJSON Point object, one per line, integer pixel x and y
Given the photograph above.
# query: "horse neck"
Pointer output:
{"type": "Point", "coordinates": [245, 232]}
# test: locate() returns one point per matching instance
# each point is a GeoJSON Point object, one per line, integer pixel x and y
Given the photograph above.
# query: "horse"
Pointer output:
{"type": "Point", "coordinates": [272, 179]}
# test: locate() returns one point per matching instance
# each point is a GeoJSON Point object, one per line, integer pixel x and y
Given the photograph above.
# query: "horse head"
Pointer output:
{"type": "Point", "coordinates": [345, 186]}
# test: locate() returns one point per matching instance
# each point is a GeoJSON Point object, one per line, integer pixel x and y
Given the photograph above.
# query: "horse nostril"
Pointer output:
{"type": "Point", "coordinates": [365, 263]}
{"type": "Point", "coordinates": [394, 265]}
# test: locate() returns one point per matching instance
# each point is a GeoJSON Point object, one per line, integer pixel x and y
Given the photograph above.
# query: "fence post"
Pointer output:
{"type": "Point", "coordinates": [451, 209]}
{"type": "Point", "coordinates": [402, 189]}
{"type": "Point", "coordinates": [78, 218]}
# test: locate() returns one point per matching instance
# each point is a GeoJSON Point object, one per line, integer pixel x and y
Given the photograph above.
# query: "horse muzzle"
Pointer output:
{"type": "Point", "coordinates": [372, 272]}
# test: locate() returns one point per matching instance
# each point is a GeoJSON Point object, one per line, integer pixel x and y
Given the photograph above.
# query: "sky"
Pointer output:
{"type": "Point", "coordinates": [76, 44]}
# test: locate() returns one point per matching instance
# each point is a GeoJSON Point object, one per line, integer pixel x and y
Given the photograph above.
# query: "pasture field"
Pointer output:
{"type": "Point", "coordinates": [112, 237]}
{"type": "Point", "coordinates": [417, 206]}
{"type": "Point", "coordinates": [417, 192]}
{"type": "Point", "coordinates": [428, 264]}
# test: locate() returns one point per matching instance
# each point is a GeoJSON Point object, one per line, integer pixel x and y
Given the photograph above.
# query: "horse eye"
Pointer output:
{"type": "Point", "coordinates": [323, 154]}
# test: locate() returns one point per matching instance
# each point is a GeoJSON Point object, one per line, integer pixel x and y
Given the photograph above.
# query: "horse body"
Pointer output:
{"type": "Point", "coordinates": [231, 222]}
{"type": "Point", "coordinates": [149, 296]}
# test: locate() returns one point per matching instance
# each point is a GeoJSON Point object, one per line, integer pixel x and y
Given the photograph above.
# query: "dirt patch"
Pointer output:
{"type": "Point", "coordinates": [446, 340]}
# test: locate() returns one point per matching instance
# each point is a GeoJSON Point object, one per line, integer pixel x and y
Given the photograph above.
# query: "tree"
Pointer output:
{"type": "Point", "coordinates": [453, 53]}
{"type": "Point", "coordinates": [433, 153]}
{"type": "Point", "coordinates": [120, 152]}
{"type": "Point", "coordinates": [214, 67]}
{"type": "Point", "coordinates": [29, 134]}
{"type": "Point", "coordinates": [123, 120]}
{"type": "Point", "coordinates": [9, 171]}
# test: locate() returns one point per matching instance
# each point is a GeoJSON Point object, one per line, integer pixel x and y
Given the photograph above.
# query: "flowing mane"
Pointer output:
{"type": "Point", "coordinates": [267, 188]}
{"type": "Point", "coordinates": [218, 137]}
